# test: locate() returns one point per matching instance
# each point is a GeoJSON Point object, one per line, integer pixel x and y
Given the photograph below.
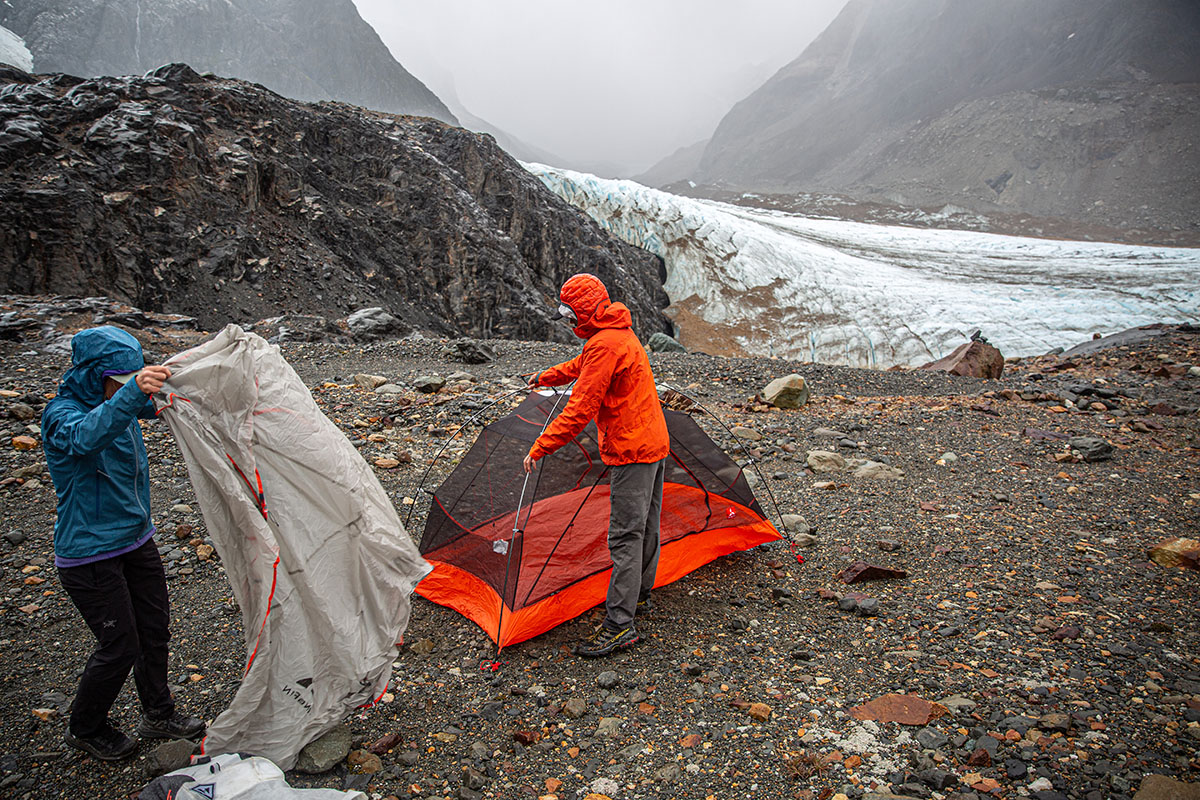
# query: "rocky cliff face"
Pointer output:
{"type": "Point", "coordinates": [221, 200]}
{"type": "Point", "coordinates": [1085, 109]}
{"type": "Point", "coordinates": [305, 49]}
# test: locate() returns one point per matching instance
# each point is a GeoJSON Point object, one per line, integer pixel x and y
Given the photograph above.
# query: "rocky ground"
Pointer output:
{"type": "Point", "coordinates": [1067, 663]}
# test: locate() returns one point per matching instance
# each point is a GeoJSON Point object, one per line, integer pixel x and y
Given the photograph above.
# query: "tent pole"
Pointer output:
{"type": "Point", "coordinates": [517, 519]}
{"type": "Point", "coordinates": [453, 436]}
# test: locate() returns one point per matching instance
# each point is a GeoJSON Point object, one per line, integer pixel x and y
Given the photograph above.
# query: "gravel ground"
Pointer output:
{"type": "Point", "coordinates": [1069, 663]}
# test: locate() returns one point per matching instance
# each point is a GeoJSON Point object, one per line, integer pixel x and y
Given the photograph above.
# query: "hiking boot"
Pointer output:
{"type": "Point", "coordinates": [606, 640]}
{"type": "Point", "coordinates": [109, 744]}
{"type": "Point", "coordinates": [645, 607]}
{"type": "Point", "coordinates": [176, 726]}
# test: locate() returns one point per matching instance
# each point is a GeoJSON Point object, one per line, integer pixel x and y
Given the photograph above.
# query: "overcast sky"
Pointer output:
{"type": "Point", "coordinates": [624, 82]}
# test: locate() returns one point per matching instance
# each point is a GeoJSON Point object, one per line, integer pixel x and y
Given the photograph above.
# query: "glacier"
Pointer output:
{"type": "Point", "coordinates": [13, 50]}
{"type": "Point", "coordinates": [749, 281]}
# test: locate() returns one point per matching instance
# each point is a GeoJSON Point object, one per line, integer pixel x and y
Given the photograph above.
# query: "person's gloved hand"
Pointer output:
{"type": "Point", "coordinates": [151, 379]}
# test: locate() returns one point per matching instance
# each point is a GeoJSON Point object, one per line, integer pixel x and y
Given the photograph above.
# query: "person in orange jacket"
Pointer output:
{"type": "Point", "coordinates": [615, 386]}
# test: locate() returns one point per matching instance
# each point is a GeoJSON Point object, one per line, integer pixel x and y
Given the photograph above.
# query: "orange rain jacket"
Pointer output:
{"type": "Point", "coordinates": [613, 383]}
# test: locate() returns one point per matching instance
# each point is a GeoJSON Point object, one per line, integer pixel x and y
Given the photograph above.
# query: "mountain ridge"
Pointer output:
{"type": "Point", "coordinates": [342, 57]}
{"type": "Point", "coordinates": [881, 106]}
{"type": "Point", "coordinates": [222, 200]}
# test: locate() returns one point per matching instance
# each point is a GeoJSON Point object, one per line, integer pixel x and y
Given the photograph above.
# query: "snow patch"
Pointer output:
{"type": "Point", "coordinates": [13, 50]}
{"type": "Point", "coordinates": [839, 292]}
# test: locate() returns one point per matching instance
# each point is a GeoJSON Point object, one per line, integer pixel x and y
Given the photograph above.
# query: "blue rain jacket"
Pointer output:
{"type": "Point", "coordinates": [94, 449]}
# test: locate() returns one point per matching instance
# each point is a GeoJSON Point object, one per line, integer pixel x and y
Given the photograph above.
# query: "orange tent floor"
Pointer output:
{"type": "Point", "coordinates": [456, 588]}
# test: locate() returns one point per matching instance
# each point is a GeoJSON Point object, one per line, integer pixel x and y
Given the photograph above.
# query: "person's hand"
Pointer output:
{"type": "Point", "coordinates": [151, 379]}
{"type": "Point", "coordinates": [534, 380]}
{"type": "Point", "coordinates": [530, 464]}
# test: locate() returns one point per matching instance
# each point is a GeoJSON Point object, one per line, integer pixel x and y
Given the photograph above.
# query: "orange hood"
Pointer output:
{"type": "Point", "coordinates": [588, 298]}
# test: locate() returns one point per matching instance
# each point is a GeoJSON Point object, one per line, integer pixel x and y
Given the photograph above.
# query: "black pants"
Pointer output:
{"type": "Point", "coordinates": [123, 600]}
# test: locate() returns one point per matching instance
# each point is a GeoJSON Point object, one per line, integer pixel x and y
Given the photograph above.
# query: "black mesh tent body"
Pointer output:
{"type": "Point", "coordinates": [519, 559]}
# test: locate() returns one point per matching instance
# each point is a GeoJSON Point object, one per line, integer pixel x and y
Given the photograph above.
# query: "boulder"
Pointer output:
{"type": "Point", "coordinates": [662, 343]}
{"type": "Point", "coordinates": [1177, 553]}
{"type": "Point", "coordinates": [296, 328]}
{"type": "Point", "coordinates": [790, 391]}
{"type": "Point", "coordinates": [470, 351]}
{"type": "Point", "coordinates": [374, 323]}
{"type": "Point", "coordinates": [975, 359]}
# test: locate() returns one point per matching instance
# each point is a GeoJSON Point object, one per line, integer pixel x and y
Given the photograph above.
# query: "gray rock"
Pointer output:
{"type": "Point", "coordinates": [790, 391]}
{"type": "Point", "coordinates": [1091, 448]}
{"type": "Point", "coordinates": [607, 679]}
{"type": "Point", "coordinates": [829, 432]}
{"type": "Point", "coordinates": [805, 540]}
{"type": "Point", "coordinates": [824, 461]}
{"type": "Point", "coordinates": [931, 739]}
{"type": "Point", "coordinates": [874, 470]}
{"type": "Point", "coordinates": [666, 774]}
{"type": "Point", "coordinates": [15, 538]}
{"type": "Point", "coordinates": [868, 607]}
{"type": "Point", "coordinates": [369, 382]}
{"type": "Point", "coordinates": [429, 383]}
{"type": "Point", "coordinates": [173, 755]}
{"type": "Point", "coordinates": [389, 388]}
{"type": "Point", "coordinates": [325, 752]}
{"type": "Point", "coordinates": [938, 778]}
{"type": "Point", "coordinates": [473, 779]}
{"type": "Point", "coordinates": [608, 727]}
{"type": "Point", "coordinates": [662, 343]}
{"type": "Point", "coordinates": [574, 708]}
{"type": "Point", "coordinates": [374, 323]}
{"type": "Point", "coordinates": [796, 523]}
{"type": "Point", "coordinates": [958, 703]}
{"type": "Point", "coordinates": [21, 411]}
{"type": "Point", "coordinates": [471, 351]}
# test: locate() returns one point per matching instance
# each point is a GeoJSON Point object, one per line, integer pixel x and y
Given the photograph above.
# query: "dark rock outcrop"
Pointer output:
{"type": "Point", "coordinates": [1082, 109]}
{"type": "Point", "coordinates": [221, 200]}
{"type": "Point", "coordinates": [305, 49]}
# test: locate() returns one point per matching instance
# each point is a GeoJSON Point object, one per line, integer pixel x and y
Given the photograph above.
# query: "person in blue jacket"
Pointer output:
{"type": "Point", "coordinates": [103, 538]}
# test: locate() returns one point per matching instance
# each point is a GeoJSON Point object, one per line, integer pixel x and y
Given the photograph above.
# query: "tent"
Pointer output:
{"type": "Point", "coordinates": [316, 555]}
{"type": "Point", "coordinates": [520, 559]}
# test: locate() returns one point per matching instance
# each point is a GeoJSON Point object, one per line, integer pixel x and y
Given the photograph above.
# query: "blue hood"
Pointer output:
{"type": "Point", "coordinates": [93, 353]}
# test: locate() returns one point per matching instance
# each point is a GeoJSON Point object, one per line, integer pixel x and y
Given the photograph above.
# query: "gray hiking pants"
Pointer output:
{"type": "Point", "coordinates": [633, 543]}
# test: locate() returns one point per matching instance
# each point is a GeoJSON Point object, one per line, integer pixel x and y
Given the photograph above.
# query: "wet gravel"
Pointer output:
{"type": "Point", "coordinates": [1068, 662]}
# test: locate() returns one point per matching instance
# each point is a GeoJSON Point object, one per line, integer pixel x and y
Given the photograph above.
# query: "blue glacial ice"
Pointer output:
{"type": "Point", "coordinates": [837, 292]}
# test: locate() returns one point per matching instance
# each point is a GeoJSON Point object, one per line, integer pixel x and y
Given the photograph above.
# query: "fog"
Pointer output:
{"type": "Point", "coordinates": [612, 87]}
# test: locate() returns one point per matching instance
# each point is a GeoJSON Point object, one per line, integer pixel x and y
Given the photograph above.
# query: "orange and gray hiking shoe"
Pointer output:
{"type": "Point", "coordinates": [604, 641]}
